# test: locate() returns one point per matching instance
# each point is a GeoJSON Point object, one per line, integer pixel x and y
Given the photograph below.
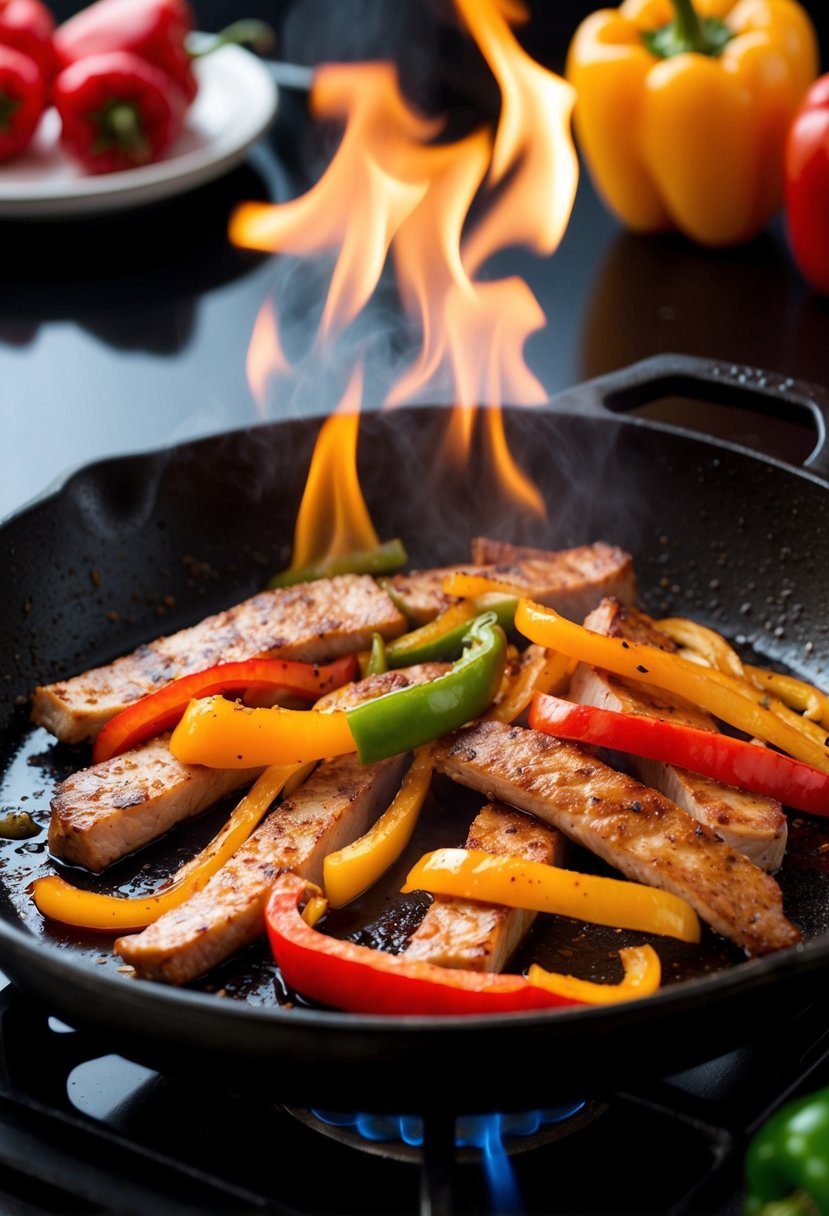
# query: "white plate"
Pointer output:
{"type": "Point", "coordinates": [235, 104]}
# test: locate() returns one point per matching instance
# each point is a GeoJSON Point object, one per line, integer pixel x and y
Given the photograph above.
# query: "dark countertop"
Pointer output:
{"type": "Point", "coordinates": [131, 331]}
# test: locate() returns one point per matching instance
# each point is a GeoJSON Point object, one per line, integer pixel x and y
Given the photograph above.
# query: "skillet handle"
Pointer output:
{"type": "Point", "coordinates": [713, 382]}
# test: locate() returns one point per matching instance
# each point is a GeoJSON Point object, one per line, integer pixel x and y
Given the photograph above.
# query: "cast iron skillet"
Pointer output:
{"type": "Point", "coordinates": [733, 538]}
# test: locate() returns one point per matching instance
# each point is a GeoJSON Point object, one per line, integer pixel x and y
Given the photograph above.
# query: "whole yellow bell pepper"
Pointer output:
{"type": "Point", "coordinates": [683, 107]}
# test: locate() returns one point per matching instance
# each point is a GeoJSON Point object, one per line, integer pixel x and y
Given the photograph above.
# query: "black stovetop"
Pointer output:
{"type": "Point", "coordinates": [82, 1133]}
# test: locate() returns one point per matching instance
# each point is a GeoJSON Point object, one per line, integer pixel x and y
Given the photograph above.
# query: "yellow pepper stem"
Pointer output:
{"type": "Point", "coordinates": [643, 975]}
{"type": "Point", "coordinates": [352, 870]}
{"type": "Point", "coordinates": [60, 901]}
{"type": "Point", "coordinates": [518, 883]}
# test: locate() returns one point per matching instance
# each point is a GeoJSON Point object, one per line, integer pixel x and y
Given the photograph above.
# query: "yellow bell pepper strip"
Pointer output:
{"type": "Point", "coordinates": [541, 671]}
{"type": "Point", "coordinates": [223, 734]}
{"type": "Point", "coordinates": [734, 762]}
{"type": "Point", "coordinates": [683, 108]}
{"type": "Point", "coordinates": [642, 977]}
{"type": "Point", "coordinates": [59, 900]}
{"type": "Point", "coordinates": [357, 979]}
{"type": "Point", "coordinates": [160, 710]}
{"type": "Point", "coordinates": [442, 638]}
{"type": "Point", "coordinates": [726, 698]}
{"type": "Point", "coordinates": [390, 555]}
{"type": "Point", "coordinates": [469, 586]}
{"type": "Point", "coordinates": [518, 883]}
{"type": "Point", "coordinates": [352, 870]}
{"type": "Point", "coordinates": [705, 642]}
{"type": "Point", "coordinates": [797, 694]}
{"type": "Point", "coordinates": [713, 647]}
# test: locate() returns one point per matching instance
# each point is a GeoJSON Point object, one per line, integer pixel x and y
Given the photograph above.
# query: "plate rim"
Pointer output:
{"type": "Point", "coordinates": [173, 175]}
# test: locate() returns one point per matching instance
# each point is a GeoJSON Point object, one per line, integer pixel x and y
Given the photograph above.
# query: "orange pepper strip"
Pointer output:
{"type": "Point", "coordinates": [643, 975]}
{"type": "Point", "coordinates": [518, 883]}
{"type": "Point", "coordinates": [798, 694]}
{"type": "Point", "coordinates": [352, 870]}
{"type": "Point", "coordinates": [467, 586]}
{"type": "Point", "coordinates": [60, 901]}
{"type": "Point", "coordinates": [224, 734]}
{"type": "Point", "coordinates": [705, 642]}
{"type": "Point", "coordinates": [724, 696]}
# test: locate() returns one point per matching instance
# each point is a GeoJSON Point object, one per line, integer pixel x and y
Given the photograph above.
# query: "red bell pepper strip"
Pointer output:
{"type": "Point", "coordinates": [734, 762]}
{"type": "Point", "coordinates": [155, 30]}
{"type": "Point", "coordinates": [117, 111]}
{"type": "Point", "coordinates": [22, 101]}
{"type": "Point", "coordinates": [361, 980]}
{"type": "Point", "coordinates": [807, 185]}
{"type": "Point", "coordinates": [28, 26]}
{"type": "Point", "coordinates": [161, 710]}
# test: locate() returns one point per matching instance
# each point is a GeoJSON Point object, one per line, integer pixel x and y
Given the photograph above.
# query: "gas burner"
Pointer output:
{"type": "Point", "coordinates": [477, 1137]}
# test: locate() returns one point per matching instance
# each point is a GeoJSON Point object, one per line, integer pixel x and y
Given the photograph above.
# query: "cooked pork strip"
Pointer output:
{"type": "Point", "coordinates": [632, 827]}
{"type": "Point", "coordinates": [482, 937]}
{"type": "Point", "coordinates": [313, 621]}
{"type": "Point", "coordinates": [750, 823]}
{"type": "Point", "coordinates": [570, 580]}
{"type": "Point", "coordinates": [102, 813]}
{"type": "Point", "coordinates": [338, 803]}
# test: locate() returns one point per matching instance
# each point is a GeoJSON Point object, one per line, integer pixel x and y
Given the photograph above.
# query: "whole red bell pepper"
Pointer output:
{"type": "Point", "coordinates": [22, 100]}
{"type": "Point", "coordinates": [156, 30]}
{"type": "Point", "coordinates": [28, 26]}
{"type": "Point", "coordinates": [807, 185]}
{"type": "Point", "coordinates": [117, 111]}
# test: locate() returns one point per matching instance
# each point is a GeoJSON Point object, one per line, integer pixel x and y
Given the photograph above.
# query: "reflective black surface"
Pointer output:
{"type": "Point", "coordinates": [131, 331]}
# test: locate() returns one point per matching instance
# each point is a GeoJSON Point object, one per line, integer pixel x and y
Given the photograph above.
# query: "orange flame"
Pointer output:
{"type": "Point", "coordinates": [391, 191]}
{"type": "Point", "coordinates": [266, 357]}
{"type": "Point", "coordinates": [333, 518]}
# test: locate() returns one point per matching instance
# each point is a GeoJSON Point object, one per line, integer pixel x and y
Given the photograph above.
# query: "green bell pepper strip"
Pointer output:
{"type": "Point", "coordinates": [787, 1162]}
{"type": "Point", "coordinates": [377, 660]}
{"type": "Point", "coordinates": [409, 717]}
{"type": "Point", "coordinates": [443, 638]}
{"type": "Point", "coordinates": [390, 555]}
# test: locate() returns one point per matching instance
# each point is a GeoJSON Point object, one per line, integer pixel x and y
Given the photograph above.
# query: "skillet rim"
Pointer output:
{"type": "Point", "coordinates": [751, 975]}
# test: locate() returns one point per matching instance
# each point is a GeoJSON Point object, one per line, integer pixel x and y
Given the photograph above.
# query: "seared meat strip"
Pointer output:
{"type": "Point", "coordinates": [482, 937]}
{"type": "Point", "coordinates": [102, 813]}
{"type": "Point", "coordinates": [570, 580]}
{"type": "Point", "coordinates": [634, 828]}
{"type": "Point", "coordinates": [750, 823]}
{"type": "Point", "coordinates": [338, 803]}
{"type": "Point", "coordinates": [312, 621]}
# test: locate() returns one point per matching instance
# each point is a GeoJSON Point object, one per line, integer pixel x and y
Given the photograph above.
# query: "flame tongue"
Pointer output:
{"type": "Point", "coordinates": [392, 189]}
{"type": "Point", "coordinates": [333, 518]}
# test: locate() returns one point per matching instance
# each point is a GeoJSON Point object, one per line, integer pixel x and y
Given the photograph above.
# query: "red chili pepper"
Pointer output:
{"type": "Point", "coordinates": [160, 710]}
{"type": "Point", "coordinates": [117, 111]}
{"type": "Point", "coordinates": [28, 26]}
{"type": "Point", "coordinates": [807, 185]}
{"type": "Point", "coordinates": [22, 100]}
{"type": "Point", "coordinates": [361, 980]}
{"type": "Point", "coordinates": [732, 761]}
{"type": "Point", "coordinates": [156, 30]}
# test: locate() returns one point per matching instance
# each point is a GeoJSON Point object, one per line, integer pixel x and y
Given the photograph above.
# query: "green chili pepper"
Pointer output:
{"type": "Point", "coordinates": [403, 720]}
{"type": "Point", "coordinates": [787, 1162]}
{"type": "Point", "coordinates": [390, 555]}
{"type": "Point", "coordinates": [443, 638]}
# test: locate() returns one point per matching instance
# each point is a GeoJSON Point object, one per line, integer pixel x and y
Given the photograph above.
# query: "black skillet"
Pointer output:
{"type": "Point", "coordinates": [131, 547]}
